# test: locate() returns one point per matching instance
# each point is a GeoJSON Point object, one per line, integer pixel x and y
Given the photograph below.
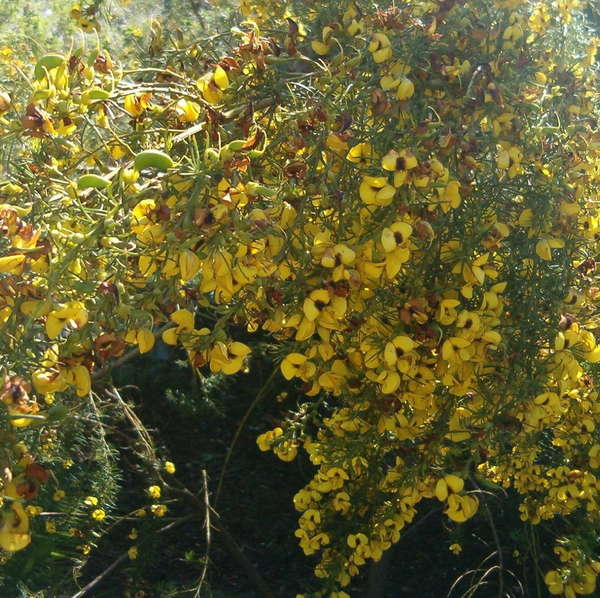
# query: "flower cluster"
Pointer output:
{"type": "Point", "coordinates": [416, 236]}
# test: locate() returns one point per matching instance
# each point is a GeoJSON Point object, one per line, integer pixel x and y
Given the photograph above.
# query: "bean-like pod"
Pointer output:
{"type": "Point", "coordinates": [253, 188]}
{"type": "Point", "coordinates": [94, 94]}
{"type": "Point", "coordinates": [153, 159]}
{"type": "Point", "coordinates": [211, 156]}
{"type": "Point", "coordinates": [92, 181]}
{"type": "Point", "coordinates": [47, 63]}
{"type": "Point", "coordinates": [237, 145]}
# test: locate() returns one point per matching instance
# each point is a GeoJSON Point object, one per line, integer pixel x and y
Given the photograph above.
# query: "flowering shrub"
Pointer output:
{"type": "Point", "coordinates": [404, 200]}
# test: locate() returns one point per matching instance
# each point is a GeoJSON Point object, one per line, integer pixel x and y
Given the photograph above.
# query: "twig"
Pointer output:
{"type": "Point", "coordinates": [229, 541]}
{"type": "Point", "coordinates": [496, 542]}
{"type": "Point", "coordinates": [207, 525]}
{"type": "Point", "coordinates": [135, 422]}
{"type": "Point", "coordinates": [242, 559]}
{"type": "Point", "coordinates": [100, 577]}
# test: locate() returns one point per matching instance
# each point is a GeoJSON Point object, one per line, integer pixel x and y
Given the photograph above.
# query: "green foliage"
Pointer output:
{"type": "Point", "coordinates": [275, 173]}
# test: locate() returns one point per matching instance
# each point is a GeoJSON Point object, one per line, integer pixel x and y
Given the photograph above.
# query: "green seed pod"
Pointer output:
{"type": "Point", "coordinates": [153, 159]}
{"type": "Point", "coordinates": [236, 145]}
{"type": "Point", "coordinates": [255, 154]}
{"type": "Point", "coordinates": [211, 156]}
{"type": "Point", "coordinates": [257, 189]}
{"type": "Point", "coordinates": [92, 181]}
{"type": "Point", "coordinates": [46, 63]}
{"type": "Point", "coordinates": [99, 94]}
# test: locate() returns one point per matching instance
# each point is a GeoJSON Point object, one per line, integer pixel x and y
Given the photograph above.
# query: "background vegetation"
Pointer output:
{"type": "Point", "coordinates": [228, 530]}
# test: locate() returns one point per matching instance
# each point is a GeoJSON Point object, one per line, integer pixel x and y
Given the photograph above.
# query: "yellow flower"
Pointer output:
{"type": "Point", "coordinates": [509, 159]}
{"type": "Point", "coordinates": [154, 492]}
{"type": "Point", "coordinates": [376, 191]}
{"type": "Point", "coordinates": [393, 240]}
{"type": "Point", "coordinates": [380, 47]}
{"type": "Point", "coordinates": [136, 104]}
{"type": "Point", "coordinates": [449, 196]}
{"type": "Point", "coordinates": [158, 510]}
{"type": "Point", "coordinates": [98, 514]}
{"type": "Point", "coordinates": [544, 247]}
{"type": "Point", "coordinates": [184, 330]}
{"type": "Point", "coordinates": [455, 549]}
{"type": "Point", "coordinates": [314, 303]}
{"type": "Point", "coordinates": [265, 441]}
{"type": "Point", "coordinates": [14, 529]}
{"type": "Point", "coordinates": [132, 553]}
{"type": "Point", "coordinates": [448, 484]}
{"type": "Point", "coordinates": [396, 352]}
{"type": "Point", "coordinates": [361, 154]}
{"type": "Point", "coordinates": [554, 581]}
{"type": "Point", "coordinates": [79, 376]}
{"type": "Point", "coordinates": [297, 365]}
{"type": "Point", "coordinates": [12, 264]}
{"type": "Point", "coordinates": [455, 349]}
{"type": "Point", "coordinates": [400, 163]}
{"type": "Point", "coordinates": [286, 450]}
{"type": "Point", "coordinates": [72, 314]}
{"type": "Point", "coordinates": [461, 508]}
{"type": "Point", "coordinates": [336, 143]}
{"type": "Point", "coordinates": [228, 358]}
{"type": "Point", "coordinates": [220, 78]}
{"type": "Point", "coordinates": [406, 89]}
{"type": "Point", "coordinates": [189, 264]}
{"type": "Point", "coordinates": [169, 467]}
{"type": "Point", "coordinates": [341, 502]}
{"type": "Point", "coordinates": [187, 111]}
{"type": "Point", "coordinates": [324, 45]}
{"type": "Point", "coordinates": [142, 337]}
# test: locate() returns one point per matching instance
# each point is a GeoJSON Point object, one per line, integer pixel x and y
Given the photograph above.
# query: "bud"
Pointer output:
{"type": "Point", "coordinates": [5, 102]}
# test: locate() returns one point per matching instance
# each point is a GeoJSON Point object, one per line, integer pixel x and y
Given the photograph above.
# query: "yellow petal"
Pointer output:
{"type": "Point", "coordinates": [220, 77]}
{"type": "Point", "coordinates": [441, 490]}
{"type": "Point", "coordinates": [11, 264]}
{"type": "Point", "coordinates": [145, 340]}
{"type": "Point", "coordinates": [543, 250]}
{"type": "Point", "coordinates": [170, 336]}
{"type": "Point", "coordinates": [184, 318]}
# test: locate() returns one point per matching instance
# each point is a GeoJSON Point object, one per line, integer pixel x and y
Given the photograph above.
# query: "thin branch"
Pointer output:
{"type": "Point", "coordinates": [242, 559]}
{"type": "Point", "coordinates": [230, 543]}
{"type": "Point", "coordinates": [207, 525]}
{"type": "Point", "coordinates": [496, 542]}
{"type": "Point", "coordinates": [100, 577]}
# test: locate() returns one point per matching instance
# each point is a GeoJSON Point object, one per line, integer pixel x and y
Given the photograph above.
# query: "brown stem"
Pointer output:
{"type": "Point", "coordinates": [241, 558]}
{"type": "Point", "coordinates": [378, 576]}
{"type": "Point", "coordinates": [207, 525]}
{"type": "Point", "coordinates": [230, 543]}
